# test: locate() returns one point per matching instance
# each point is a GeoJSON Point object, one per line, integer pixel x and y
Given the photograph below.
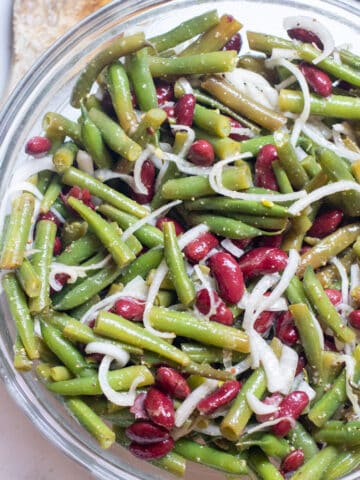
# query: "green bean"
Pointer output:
{"type": "Point", "coordinates": [325, 309]}
{"type": "Point", "coordinates": [312, 168]}
{"type": "Point", "coordinates": [330, 246]}
{"type": "Point", "coordinates": [79, 250]}
{"type": "Point", "coordinates": [29, 279]}
{"type": "Point", "coordinates": [174, 259]}
{"type": "Point", "coordinates": [226, 227]}
{"type": "Point", "coordinates": [300, 438]}
{"type": "Point", "coordinates": [79, 311]}
{"type": "Point", "coordinates": [265, 43]}
{"type": "Point", "coordinates": [223, 147]}
{"type": "Point", "coordinates": [210, 456]}
{"type": "Point", "coordinates": [21, 360]}
{"type": "Point", "coordinates": [309, 338]}
{"type": "Point", "coordinates": [73, 230]}
{"type": "Point", "coordinates": [118, 47]}
{"type": "Point", "coordinates": [338, 106]}
{"type": "Point", "coordinates": [258, 65]}
{"type": "Point", "coordinates": [51, 194]}
{"type": "Point", "coordinates": [17, 233]}
{"type": "Point", "coordinates": [165, 298]}
{"type": "Point", "coordinates": [64, 157]}
{"type": "Point", "coordinates": [73, 176]}
{"type": "Point", "coordinates": [143, 265]}
{"type": "Point", "coordinates": [92, 422]}
{"type": "Point", "coordinates": [148, 235]}
{"type": "Point", "coordinates": [211, 121]}
{"type": "Point", "coordinates": [289, 161]}
{"type": "Point", "coordinates": [262, 465]}
{"type": "Point", "coordinates": [337, 169]}
{"type": "Point", "coordinates": [41, 261]}
{"type": "Point", "coordinates": [185, 31]}
{"type": "Point", "coordinates": [325, 408]}
{"type": "Point", "coordinates": [138, 69]}
{"type": "Point", "coordinates": [20, 313]}
{"type": "Point", "coordinates": [344, 463]}
{"type": "Point", "coordinates": [201, 353]}
{"type": "Point", "coordinates": [119, 88]}
{"type": "Point", "coordinates": [42, 371]}
{"type": "Point", "coordinates": [173, 463]}
{"type": "Point", "coordinates": [315, 468]}
{"type": "Point", "coordinates": [282, 178]}
{"type": "Point", "coordinates": [198, 64]}
{"type": "Point", "coordinates": [75, 295]}
{"type": "Point", "coordinates": [116, 327]}
{"type": "Point", "coordinates": [260, 221]}
{"type": "Point", "coordinates": [294, 237]}
{"type": "Point", "coordinates": [56, 124]}
{"type": "Point", "coordinates": [232, 98]}
{"type": "Point", "coordinates": [114, 136]}
{"type": "Point", "coordinates": [60, 373]}
{"type": "Point", "coordinates": [267, 209]}
{"type": "Point", "coordinates": [44, 179]}
{"type": "Point", "coordinates": [214, 38]}
{"type": "Point", "coordinates": [253, 145]}
{"type": "Point", "coordinates": [329, 275]}
{"type": "Point", "coordinates": [93, 141]}
{"type": "Point", "coordinates": [234, 178]}
{"type": "Point", "coordinates": [270, 444]}
{"type": "Point", "coordinates": [240, 413]}
{"type": "Point", "coordinates": [60, 208]}
{"type": "Point", "coordinates": [105, 231]}
{"type": "Point", "coordinates": [118, 379]}
{"type": "Point", "coordinates": [343, 72]}
{"type": "Point", "coordinates": [65, 351]}
{"type": "Point", "coordinates": [148, 129]}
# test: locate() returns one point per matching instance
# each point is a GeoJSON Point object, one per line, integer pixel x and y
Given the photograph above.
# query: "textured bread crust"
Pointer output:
{"type": "Point", "coordinates": [39, 23]}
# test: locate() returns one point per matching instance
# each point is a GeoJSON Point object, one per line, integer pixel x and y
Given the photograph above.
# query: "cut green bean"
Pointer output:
{"type": "Point", "coordinates": [51, 194]}
{"type": "Point", "coordinates": [270, 444]}
{"type": "Point", "coordinates": [29, 279]}
{"type": "Point", "coordinates": [143, 265]}
{"type": "Point", "coordinates": [138, 69]}
{"type": "Point", "coordinates": [79, 250]}
{"type": "Point", "coordinates": [21, 360]}
{"type": "Point", "coordinates": [60, 373]}
{"type": "Point", "coordinates": [148, 129]}
{"type": "Point", "coordinates": [64, 157]}
{"type": "Point", "coordinates": [289, 161]}
{"type": "Point", "coordinates": [201, 353]}
{"type": "Point", "coordinates": [343, 464]}
{"type": "Point", "coordinates": [315, 468]}
{"type": "Point", "coordinates": [262, 465]}
{"type": "Point", "coordinates": [56, 124]}
{"type": "Point", "coordinates": [300, 438]}
{"type": "Point", "coordinates": [211, 121]}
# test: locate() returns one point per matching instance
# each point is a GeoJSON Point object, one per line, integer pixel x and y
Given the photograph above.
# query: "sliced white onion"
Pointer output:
{"type": "Point", "coordinates": [166, 147]}
{"type": "Point", "coordinates": [85, 162]}
{"type": "Point", "coordinates": [143, 221]}
{"type": "Point", "coordinates": [136, 288]}
{"type": "Point", "coordinates": [319, 193]}
{"type": "Point", "coordinates": [123, 399]}
{"type": "Point", "coordinates": [256, 297]}
{"type": "Point", "coordinates": [104, 175]}
{"type": "Point", "coordinates": [319, 126]}
{"type": "Point", "coordinates": [205, 283]}
{"type": "Point", "coordinates": [304, 115]}
{"type": "Point", "coordinates": [314, 26]}
{"type": "Point", "coordinates": [185, 85]}
{"type": "Point", "coordinates": [241, 367]}
{"type": "Point", "coordinates": [191, 235]}
{"type": "Point", "coordinates": [30, 168]}
{"type": "Point", "coordinates": [344, 279]}
{"type": "Point", "coordinates": [266, 425]}
{"type": "Point", "coordinates": [253, 85]}
{"type": "Point", "coordinates": [259, 407]}
{"type": "Point", "coordinates": [189, 139]}
{"type": "Point", "coordinates": [300, 153]}
{"type": "Point", "coordinates": [160, 175]}
{"type": "Point", "coordinates": [212, 430]}
{"type": "Point", "coordinates": [350, 370]}
{"type": "Point", "coordinates": [286, 83]}
{"type": "Point", "coordinates": [288, 365]}
{"type": "Point", "coordinates": [227, 359]}
{"type": "Point", "coordinates": [305, 387]}
{"type": "Point", "coordinates": [73, 271]}
{"type": "Point", "coordinates": [185, 166]}
{"type": "Point", "coordinates": [215, 180]}
{"type": "Point", "coordinates": [117, 353]}
{"type": "Point", "coordinates": [316, 137]}
{"type": "Point", "coordinates": [319, 330]}
{"type": "Point", "coordinates": [230, 246]}
{"type": "Point", "coordinates": [139, 186]}
{"type": "Point", "coordinates": [153, 291]}
{"type": "Point", "coordinates": [242, 131]}
{"type": "Point", "coordinates": [189, 404]}
{"type": "Point", "coordinates": [287, 53]}
{"type": "Point", "coordinates": [57, 215]}
{"type": "Point", "coordinates": [279, 306]}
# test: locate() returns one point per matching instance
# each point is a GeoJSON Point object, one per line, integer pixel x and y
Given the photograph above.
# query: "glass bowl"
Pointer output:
{"type": "Point", "coordinates": [47, 87]}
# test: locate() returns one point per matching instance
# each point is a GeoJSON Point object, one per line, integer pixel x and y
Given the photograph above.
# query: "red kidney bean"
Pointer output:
{"type": "Point", "coordinates": [275, 399]}
{"type": "Point", "coordinates": [223, 314]}
{"type": "Point", "coordinates": [264, 175]}
{"type": "Point", "coordinates": [164, 92]}
{"type": "Point", "coordinates": [275, 241]}
{"type": "Point", "coordinates": [333, 295]}
{"type": "Point", "coordinates": [300, 365]}
{"type": "Point", "coordinates": [130, 308]}
{"type": "Point", "coordinates": [237, 136]}
{"type": "Point", "coordinates": [82, 194]}
{"type": "Point", "coordinates": [107, 104]}
{"type": "Point", "coordinates": [264, 321]}
{"type": "Point", "coordinates": [62, 278]}
{"type": "Point", "coordinates": [197, 250]}
{"type": "Point", "coordinates": [329, 343]}
{"type": "Point", "coordinates": [146, 433]}
{"type": "Point", "coordinates": [51, 217]}
{"type": "Point", "coordinates": [293, 461]}
{"type": "Point", "coordinates": [235, 43]}
{"type": "Point", "coordinates": [37, 146]}
{"type": "Point", "coordinates": [326, 223]}
{"type": "Point", "coordinates": [160, 408]}
{"type": "Point", "coordinates": [147, 176]}
{"type": "Point", "coordinates": [222, 396]}
{"type": "Point", "coordinates": [285, 329]}
{"type": "Point", "coordinates": [178, 227]}
{"type": "Point", "coordinates": [262, 260]}
{"type": "Point", "coordinates": [184, 109]}
{"type": "Point", "coordinates": [138, 408]}
{"type": "Point", "coordinates": [57, 246]}
{"type": "Point", "coordinates": [172, 382]}
{"type": "Point", "coordinates": [304, 249]}
{"type": "Point", "coordinates": [292, 406]}
{"type": "Point", "coordinates": [153, 451]}
{"type": "Point", "coordinates": [201, 153]}
{"type": "Point", "coordinates": [245, 242]}
{"type": "Point", "coordinates": [354, 319]}
{"type": "Point", "coordinates": [305, 36]}
{"type": "Point", "coordinates": [228, 276]}
{"type": "Point", "coordinates": [170, 112]}
{"type": "Point", "coordinates": [318, 80]}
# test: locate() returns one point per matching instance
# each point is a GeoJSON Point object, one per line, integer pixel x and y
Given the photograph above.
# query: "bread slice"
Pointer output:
{"type": "Point", "coordinates": [39, 23]}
